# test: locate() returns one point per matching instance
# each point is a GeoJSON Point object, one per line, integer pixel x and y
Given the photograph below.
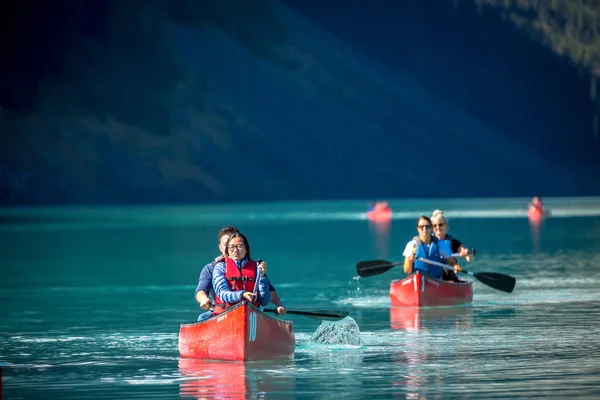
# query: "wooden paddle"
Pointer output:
{"type": "Point", "coordinates": [376, 267]}
{"type": "Point", "coordinates": [495, 280]}
{"type": "Point", "coordinates": [328, 315]}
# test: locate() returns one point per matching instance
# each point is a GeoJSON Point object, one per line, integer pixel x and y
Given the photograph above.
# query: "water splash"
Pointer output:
{"type": "Point", "coordinates": [344, 332]}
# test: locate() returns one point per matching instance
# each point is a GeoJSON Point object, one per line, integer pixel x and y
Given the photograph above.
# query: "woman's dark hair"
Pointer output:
{"type": "Point", "coordinates": [227, 230]}
{"type": "Point", "coordinates": [244, 239]}
{"type": "Point", "coordinates": [425, 217]}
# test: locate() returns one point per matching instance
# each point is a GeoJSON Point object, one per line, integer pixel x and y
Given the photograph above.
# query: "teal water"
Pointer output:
{"type": "Point", "coordinates": [92, 298]}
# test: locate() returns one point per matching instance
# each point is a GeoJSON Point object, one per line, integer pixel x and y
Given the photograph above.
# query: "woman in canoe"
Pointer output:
{"type": "Point", "coordinates": [425, 246]}
{"type": "Point", "coordinates": [448, 244]}
{"type": "Point", "coordinates": [234, 278]}
{"type": "Point", "coordinates": [204, 289]}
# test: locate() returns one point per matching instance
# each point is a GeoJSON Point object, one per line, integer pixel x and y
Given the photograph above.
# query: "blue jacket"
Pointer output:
{"type": "Point", "coordinates": [223, 290]}
{"type": "Point", "coordinates": [445, 247]}
{"type": "Point", "coordinates": [205, 281]}
{"type": "Point", "coordinates": [430, 252]}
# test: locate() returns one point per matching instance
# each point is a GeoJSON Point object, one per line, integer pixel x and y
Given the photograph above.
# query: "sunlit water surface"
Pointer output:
{"type": "Point", "coordinates": [91, 302]}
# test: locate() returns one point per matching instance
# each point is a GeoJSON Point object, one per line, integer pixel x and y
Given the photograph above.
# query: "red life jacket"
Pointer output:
{"type": "Point", "coordinates": [243, 279]}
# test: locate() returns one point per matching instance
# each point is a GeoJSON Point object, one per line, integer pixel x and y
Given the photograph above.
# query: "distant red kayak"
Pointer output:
{"type": "Point", "coordinates": [419, 290]}
{"type": "Point", "coordinates": [242, 333]}
{"type": "Point", "coordinates": [535, 215]}
{"type": "Point", "coordinates": [380, 215]}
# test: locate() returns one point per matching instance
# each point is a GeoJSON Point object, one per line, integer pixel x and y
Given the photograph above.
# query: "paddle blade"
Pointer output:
{"type": "Point", "coordinates": [501, 282]}
{"type": "Point", "coordinates": [373, 267]}
{"type": "Point", "coordinates": [327, 315]}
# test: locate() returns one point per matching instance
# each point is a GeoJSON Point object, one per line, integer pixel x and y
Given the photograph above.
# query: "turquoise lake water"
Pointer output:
{"type": "Point", "coordinates": [92, 298]}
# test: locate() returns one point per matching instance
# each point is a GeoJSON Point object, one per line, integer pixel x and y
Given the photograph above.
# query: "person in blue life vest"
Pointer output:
{"type": "Point", "coordinates": [204, 290]}
{"type": "Point", "coordinates": [371, 206]}
{"type": "Point", "coordinates": [235, 277]}
{"type": "Point", "coordinates": [425, 246]}
{"type": "Point", "coordinates": [448, 245]}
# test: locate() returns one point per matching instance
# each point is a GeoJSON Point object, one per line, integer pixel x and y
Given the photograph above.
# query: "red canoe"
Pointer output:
{"type": "Point", "coordinates": [242, 333]}
{"type": "Point", "coordinates": [418, 290]}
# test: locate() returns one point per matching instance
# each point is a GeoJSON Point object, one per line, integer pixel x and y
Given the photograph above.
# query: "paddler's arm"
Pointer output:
{"type": "Point", "coordinates": [221, 286]}
{"type": "Point", "coordinates": [276, 300]}
{"type": "Point", "coordinates": [409, 256]}
{"type": "Point", "coordinates": [263, 291]}
{"type": "Point", "coordinates": [408, 263]}
{"type": "Point", "coordinates": [204, 287]}
{"type": "Point", "coordinates": [205, 301]}
{"type": "Point", "coordinates": [453, 263]}
{"type": "Point", "coordinates": [463, 252]}
{"type": "Point", "coordinates": [264, 297]}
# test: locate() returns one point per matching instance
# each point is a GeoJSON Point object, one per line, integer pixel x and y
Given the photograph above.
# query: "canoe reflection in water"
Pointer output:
{"type": "Point", "coordinates": [415, 318]}
{"type": "Point", "coordinates": [214, 379]}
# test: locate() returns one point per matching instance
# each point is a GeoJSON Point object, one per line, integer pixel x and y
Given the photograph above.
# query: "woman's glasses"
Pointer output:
{"type": "Point", "coordinates": [424, 226]}
{"type": "Point", "coordinates": [239, 247]}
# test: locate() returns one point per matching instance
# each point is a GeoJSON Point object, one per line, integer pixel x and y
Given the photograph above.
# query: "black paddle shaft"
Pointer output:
{"type": "Point", "coordinates": [329, 315]}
